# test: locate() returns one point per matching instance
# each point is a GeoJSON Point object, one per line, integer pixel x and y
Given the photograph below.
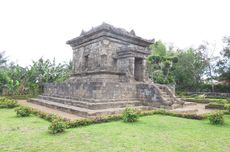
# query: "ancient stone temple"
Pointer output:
{"type": "Point", "coordinates": [109, 73]}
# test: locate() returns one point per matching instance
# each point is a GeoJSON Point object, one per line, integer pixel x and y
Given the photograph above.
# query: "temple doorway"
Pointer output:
{"type": "Point", "coordinates": [138, 69]}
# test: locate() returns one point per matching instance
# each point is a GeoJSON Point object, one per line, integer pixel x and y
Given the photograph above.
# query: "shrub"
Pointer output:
{"type": "Point", "coordinates": [22, 111]}
{"type": "Point", "coordinates": [216, 118]}
{"type": "Point", "coordinates": [130, 115]}
{"type": "Point", "coordinates": [57, 126]}
{"type": "Point", "coordinates": [95, 120]}
{"type": "Point", "coordinates": [228, 100]}
{"type": "Point", "coordinates": [51, 117]}
{"type": "Point", "coordinates": [7, 103]}
{"type": "Point", "coordinates": [215, 106]}
{"type": "Point", "coordinates": [227, 107]}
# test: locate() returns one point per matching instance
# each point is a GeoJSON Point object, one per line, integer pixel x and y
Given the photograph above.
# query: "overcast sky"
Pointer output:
{"type": "Point", "coordinates": [30, 29]}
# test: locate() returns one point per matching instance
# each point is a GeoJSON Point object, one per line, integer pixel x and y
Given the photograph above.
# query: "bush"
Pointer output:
{"type": "Point", "coordinates": [215, 106]}
{"type": "Point", "coordinates": [7, 103]}
{"type": "Point", "coordinates": [216, 118]}
{"type": "Point", "coordinates": [51, 117]}
{"type": "Point", "coordinates": [22, 111]}
{"type": "Point", "coordinates": [228, 100]}
{"type": "Point", "coordinates": [129, 115]}
{"type": "Point", "coordinates": [57, 126]}
{"type": "Point", "coordinates": [173, 114]}
{"type": "Point", "coordinates": [227, 107]}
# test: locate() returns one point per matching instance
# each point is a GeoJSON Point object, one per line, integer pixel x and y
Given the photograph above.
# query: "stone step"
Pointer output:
{"type": "Point", "coordinates": [90, 105]}
{"type": "Point", "coordinates": [91, 100]}
{"type": "Point", "coordinates": [83, 112]}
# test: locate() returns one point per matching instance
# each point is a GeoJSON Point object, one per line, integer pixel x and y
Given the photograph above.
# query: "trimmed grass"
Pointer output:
{"type": "Point", "coordinates": [150, 133]}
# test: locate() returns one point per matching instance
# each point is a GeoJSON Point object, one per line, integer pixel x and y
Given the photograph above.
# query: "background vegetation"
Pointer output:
{"type": "Point", "coordinates": [192, 69]}
{"type": "Point", "coordinates": [17, 80]}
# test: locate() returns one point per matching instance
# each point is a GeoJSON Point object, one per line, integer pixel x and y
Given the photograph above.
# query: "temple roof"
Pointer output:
{"type": "Point", "coordinates": [108, 30]}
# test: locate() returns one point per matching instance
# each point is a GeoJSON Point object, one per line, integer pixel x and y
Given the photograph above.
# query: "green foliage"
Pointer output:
{"type": "Point", "coordinates": [30, 80]}
{"type": "Point", "coordinates": [51, 117]}
{"type": "Point", "coordinates": [96, 120]}
{"type": "Point", "coordinates": [227, 107]}
{"type": "Point", "coordinates": [3, 78]}
{"type": "Point", "coordinates": [56, 126]}
{"type": "Point", "coordinates": [216, 118]}
{"type": "Point", "coordinates": [189, 69]}
{"type": "Point", "coordinates": [224, 64]}
{"type": "Point", "coordinates": [173, 114]}
{"type": "Point", "coordinates": [44, 115]}
{"type": "Point", "coordinates": [7, 103]}
{"type": "Point", "coordinates": [160, 64]}
{"type": "Point", "coordinates": [214, 105]}
{"type": "Point", "coordinates": [158, 77]}
{"type": "Point", "coordinates": [158, 48]}
{"type": "Point", "coordinates": [130, 115]}
{"type": "Point", "coordinates": [22, 111]}
{"type": "Point", "coordinates": [228, 100]}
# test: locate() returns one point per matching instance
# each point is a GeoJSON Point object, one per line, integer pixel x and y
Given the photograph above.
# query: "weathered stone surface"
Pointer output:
{"type": "Point", "coordinates": [108, 66]}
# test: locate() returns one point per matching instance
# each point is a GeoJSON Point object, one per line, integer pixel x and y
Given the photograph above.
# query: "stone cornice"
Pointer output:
{"type": "Point", "coordinates": [98, 72]}
{"type": "Point", "coordinates": [106, 30]}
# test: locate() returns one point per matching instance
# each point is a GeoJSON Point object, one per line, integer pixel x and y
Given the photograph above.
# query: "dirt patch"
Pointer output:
{"type": "Point", "coordinates": [196, 108]}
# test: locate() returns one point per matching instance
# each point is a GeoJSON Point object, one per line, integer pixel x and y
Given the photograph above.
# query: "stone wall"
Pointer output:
{"type": "Point", "coordinates": [101, 55]}
{"type": "Point", "coordinates": [104, 91]}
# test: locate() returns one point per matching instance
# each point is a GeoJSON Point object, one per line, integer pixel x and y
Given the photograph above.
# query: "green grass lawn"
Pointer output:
{"type": "Point", "coordinates": [150, 133]}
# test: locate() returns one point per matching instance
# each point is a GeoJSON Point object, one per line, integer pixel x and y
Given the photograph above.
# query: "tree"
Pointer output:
{"type": "Point", "coordinates": [160, 63]}
{"type": "Point", "coordinates": [45, 71]}
{"type": "Point", "coordinates": [208, 50]}
{"type": "Point", "coordinates": [189, 69]}
{"type": "Point", "coordinates": [224, 64]}
{"type": "Point", "coordinates": [29, 80]}
{"type": "Point", "coordinates": [3, 59]}
{"type": "Point", "coordinates": [158, 48]}
{"type": "Point", "coordinates": [3, 71]}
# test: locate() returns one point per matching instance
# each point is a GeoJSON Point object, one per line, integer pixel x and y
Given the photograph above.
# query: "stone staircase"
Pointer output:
{"type": "Point", "coordinates": [180, 106]}
{"type": "Point", "coordinates": [169, 97]}
{"type": "Point", "coordinates": [86, 108]}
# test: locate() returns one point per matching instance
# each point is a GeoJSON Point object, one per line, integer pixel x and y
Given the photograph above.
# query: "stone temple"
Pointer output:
{"type": "Point", "coordinates": [109, 74]}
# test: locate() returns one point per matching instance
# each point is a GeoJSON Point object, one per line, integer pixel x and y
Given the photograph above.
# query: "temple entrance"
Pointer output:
{"type": "Point", "coordinates": [138, 69]}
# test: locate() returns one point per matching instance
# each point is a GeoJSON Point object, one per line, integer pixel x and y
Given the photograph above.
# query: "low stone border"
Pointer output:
{"type": "Point", "coordinates": [109, 118]}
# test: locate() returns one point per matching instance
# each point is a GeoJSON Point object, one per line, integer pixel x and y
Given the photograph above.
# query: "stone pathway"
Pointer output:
{"type": "Point", "coordinates": [195, 108]}
{"type": "Point", "coordinates": [49, 110]}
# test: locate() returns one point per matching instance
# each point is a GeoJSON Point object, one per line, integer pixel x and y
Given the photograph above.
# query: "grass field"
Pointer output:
{"type": "Point", "coordinates": [150, 133]}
